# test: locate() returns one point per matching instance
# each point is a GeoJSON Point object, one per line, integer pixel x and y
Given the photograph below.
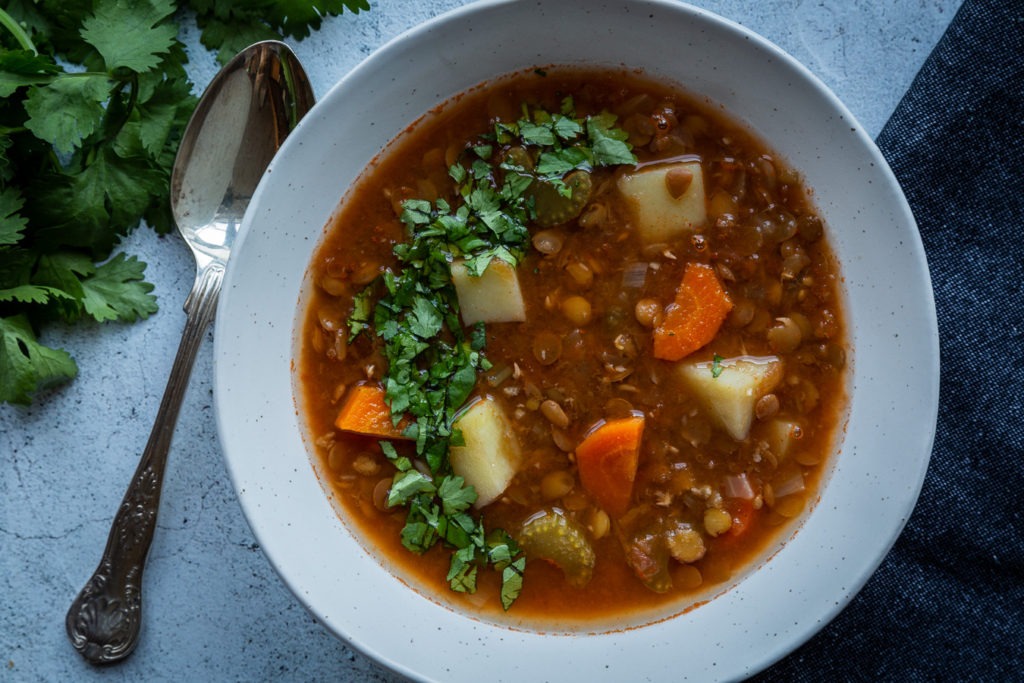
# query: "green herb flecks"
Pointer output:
{"type": "Point", "coordinates": [94, 100]}
{"type": "Point", "coordinates": [716, 366]}
{"type": "Point", "coordinates": [433, 362]}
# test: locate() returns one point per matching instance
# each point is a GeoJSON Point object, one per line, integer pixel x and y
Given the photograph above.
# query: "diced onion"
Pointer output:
{"type": "Point", "coordinates": [792, 483]}
{"type": "Point", "coordinates": [738, 486]}
{"type": "Point", "coordinates": [634, 276]}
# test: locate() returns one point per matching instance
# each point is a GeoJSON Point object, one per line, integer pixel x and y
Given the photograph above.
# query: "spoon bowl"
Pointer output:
{"type": "Point", "coordinates": [237, 127]}
{"type": "Point", "coordinates": [239, 123]}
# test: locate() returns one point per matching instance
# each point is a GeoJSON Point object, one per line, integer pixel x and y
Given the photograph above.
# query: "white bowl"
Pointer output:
{"type": "Point", "coordinates": [894, 386]}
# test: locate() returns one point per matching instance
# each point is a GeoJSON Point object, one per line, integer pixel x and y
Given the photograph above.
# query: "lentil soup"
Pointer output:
{"type": "Point", "coordinates": [650, 378]}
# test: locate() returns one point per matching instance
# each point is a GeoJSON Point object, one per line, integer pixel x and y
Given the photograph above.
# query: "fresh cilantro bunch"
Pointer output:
{"type": "Point", "coordinates": [432, 363]}
{"type": "Point", "coordinates": [94, 100]}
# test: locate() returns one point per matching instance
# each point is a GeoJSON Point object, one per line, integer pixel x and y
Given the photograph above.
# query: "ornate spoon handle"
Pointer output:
{"type": "Point", "coordinates": [104, 620]}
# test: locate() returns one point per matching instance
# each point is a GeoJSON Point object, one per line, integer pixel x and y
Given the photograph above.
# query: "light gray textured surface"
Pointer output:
{"type": "Point", "coordinates": [215, 609]}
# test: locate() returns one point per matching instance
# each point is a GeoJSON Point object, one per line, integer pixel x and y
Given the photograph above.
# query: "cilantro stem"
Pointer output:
{"type": "Point", "coordinates": [85, 74]}
{"type": "Point", "coordinates": [133, 95]}
{"type": "Point", "coordinates": [8, 22]}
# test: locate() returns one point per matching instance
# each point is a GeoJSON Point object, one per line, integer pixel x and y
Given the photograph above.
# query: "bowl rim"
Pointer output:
{"type": "Point", "coordinates": [806, 627]}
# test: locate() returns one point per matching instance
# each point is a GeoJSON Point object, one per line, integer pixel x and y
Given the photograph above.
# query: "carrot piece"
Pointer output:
{"type": "Point", "coordinates": [607, 459]}
{"type": "Point", "coordinates": [366, 412]}
{"type": "Point", "coordinates": [743, 516]}
{"type": "Point", "coordinates": [742, 511]}
{"type": "Point", "coordinates": [694, 319]}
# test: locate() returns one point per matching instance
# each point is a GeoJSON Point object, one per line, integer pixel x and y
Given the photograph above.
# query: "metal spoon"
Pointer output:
{"type": "Point", "coordinates": [237, 127]}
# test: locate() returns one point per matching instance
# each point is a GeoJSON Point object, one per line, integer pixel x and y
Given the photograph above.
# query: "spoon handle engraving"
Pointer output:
{"type": "Point", "coordinates": [104, 620]}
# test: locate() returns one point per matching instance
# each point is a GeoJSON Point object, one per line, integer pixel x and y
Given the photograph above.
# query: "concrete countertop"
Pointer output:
{"type": "Point", "coordinates": [214, 608]}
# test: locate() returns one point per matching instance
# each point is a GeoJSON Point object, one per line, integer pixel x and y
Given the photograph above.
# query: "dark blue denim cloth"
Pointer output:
{"type": "Point", "coordinates": [947, 604]}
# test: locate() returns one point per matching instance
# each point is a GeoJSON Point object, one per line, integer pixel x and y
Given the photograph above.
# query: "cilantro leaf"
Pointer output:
{"type": "Point", "coordinates": [609, 143]}
{"type": "Point", "coordinates": [362, 310]}
{"type": "Point", "coordinates": [19, 68]}
{"type": "Point", "coordinates": [117, 291]}
{"type": "Point", "coordinates": [94, 207]}
{"type": "Point", "coordinates": [32, 294]}
{"type": "Point", "coordinates": [12, 224]}
{"type": "Point", "coordinates": [131, 34]}
{"type": "Point", "coordinates": [463, 572]}
{"type": "Point", "coordinates": [566, 128]}
{"type": "Point", "coordinates": [297, 17]}
{"type": "Point", "coordinates": [408, 485]}
{"type": "Point", "coordinates": [65, 271]}
{"type": "Point", "coordinates": [26, 365]}
{"type": "Point", "coordinates": [455, 495]}
{"type": "Point", "coordinates": [536, 134]}
{"type": "Point", "coordinates": [425, 320]}
{"type": "Point", "coordinates": [160, 113]}
{"type": "Point", "coordinates": [68, 110]}
{"type": "Point", "coordinates": [418, 536]}
{"type": "Point", "coordinates": [512, 581]}
{"type": "Point", "coordinates": [229, 37]}
{"type": "Point", "coordinates": [113, 290]}
{"type": "Point", "coordinates": [557, 163]}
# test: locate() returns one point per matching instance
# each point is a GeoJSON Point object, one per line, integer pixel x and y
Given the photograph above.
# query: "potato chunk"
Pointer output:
{"type": "Point", "coordinates": [491, 456]}
{"type": "Point", "coordinates": [666, 200]}
{"type": "Point", "coordinates": [730, 397]}
{"type": "Point", "coordinates": [494, 297]}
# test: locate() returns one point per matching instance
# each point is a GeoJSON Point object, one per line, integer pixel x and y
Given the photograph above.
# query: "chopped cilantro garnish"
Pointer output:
{"type": "Point", "coordinates": [608, 143]}
{"type": "Point", "coordinates": [432, 363]}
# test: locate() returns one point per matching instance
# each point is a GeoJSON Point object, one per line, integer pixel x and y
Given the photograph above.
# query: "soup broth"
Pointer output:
{"type": "Point", "coordinates": [659, 378]}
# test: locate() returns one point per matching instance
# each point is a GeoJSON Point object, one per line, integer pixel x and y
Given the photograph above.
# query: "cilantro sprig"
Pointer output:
{"type": "Point", "coordinates": [567, 143]}
{"type": "Point", "coordinates": [433, 362]}
{"type": "Point", "coordinates": [93, 99]}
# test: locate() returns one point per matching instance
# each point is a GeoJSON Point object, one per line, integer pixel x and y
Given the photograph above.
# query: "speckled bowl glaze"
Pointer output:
{"type": "Point", "coordinates": [884, 448]}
